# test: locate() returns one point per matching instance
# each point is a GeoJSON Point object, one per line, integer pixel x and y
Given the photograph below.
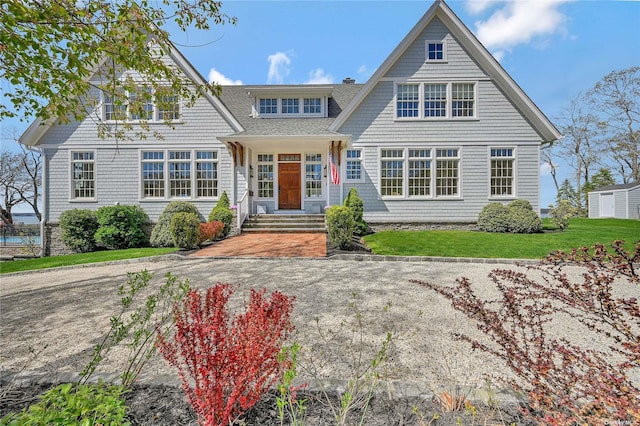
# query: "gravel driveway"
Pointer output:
{"type": "Point", "coordinates": [63, 313]}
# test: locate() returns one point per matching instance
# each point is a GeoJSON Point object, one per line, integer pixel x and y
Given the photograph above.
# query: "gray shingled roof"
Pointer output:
{"type": "Point", "coordinates": [239, 103]}
{"type": "Point", "coordinates": [617, 187]}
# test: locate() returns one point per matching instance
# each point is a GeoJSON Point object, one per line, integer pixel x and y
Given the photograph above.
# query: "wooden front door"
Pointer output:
{"type": "Point", "coordinates": [289, 186]}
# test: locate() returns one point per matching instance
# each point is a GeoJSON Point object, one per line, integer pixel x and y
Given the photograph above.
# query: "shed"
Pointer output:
{"type": "Point", "coordinates": [619, 201]}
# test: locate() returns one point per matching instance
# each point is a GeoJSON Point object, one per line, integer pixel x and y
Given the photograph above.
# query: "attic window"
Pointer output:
{"type": "Point", "coordinates": [436, 51]}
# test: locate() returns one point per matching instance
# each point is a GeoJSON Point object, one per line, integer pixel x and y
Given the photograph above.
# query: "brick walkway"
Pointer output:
{"type": "Point", "coordinates": [269, 245]}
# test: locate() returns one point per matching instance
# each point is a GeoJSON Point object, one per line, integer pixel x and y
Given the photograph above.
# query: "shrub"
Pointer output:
{"type": "Point", "coordinates": [355, 204]}
{"type": "Point", "coordinates": [211, 230]}
{"type": "Point", "coordinates": [522, 218]}
{"type": "Point", "coordinates": [79, 228]}
{"type": "Point", "coordinates": [222, 213]}
{"type": "Point", "coordinates": [161, 233]}
{"type": "Point", "coordinates": [340, 226]}
{"type": "Point", "coordinates": [185, 230]}
{"type": "Point", "coordinates": [70, 404]}
{"type": "Point", "coordinates": [226, 364]}
{"type": "Point", "coordinates": [564, 382]}
{"type": "Point", "coordinates": [517, 216]}
{"type": "Point", "coordinates": [562, 213]}
{"type": "Point", "coordinates": [494, 217]}
{"type": "Point", "coordinates": [121, 227]}
{"type": "Point", "coordinates": [223, 201]}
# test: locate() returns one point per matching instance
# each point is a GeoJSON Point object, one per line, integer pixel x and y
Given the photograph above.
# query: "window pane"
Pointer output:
{"type": "Point", "coordinates": [391, 172]}
{"type": "Point", "coordinates": [435, 51]}
{"type": "Point", "coordinates": [168, 105]}
{"type": "Point", "coordinates": [354, 164]}
{"type": "Point", "coordinates": [435, 100]}
{"type": "Point", "coordinates": [462, 99]}
{"type": "Point", "coordinates": [82, 175]}
{"type": "Point", "coordinates": [290, 106]}
{"type": "Point", "coordinates": [502, 171]}
{"type": "Point", "coordinates": [312, 106]}
{"type": "Point", "coordinates": [265, 175]}
{"type": "Point", "coordinates": [408, 97]}
{"type": "Point", "coordinates": [206, 174]}
{"type": "Point", "coordinates": [419, 172]}
{"type": "Point", "coordinates": [269, 106]}
{"type": "Point", "coordinates": [152, 178]}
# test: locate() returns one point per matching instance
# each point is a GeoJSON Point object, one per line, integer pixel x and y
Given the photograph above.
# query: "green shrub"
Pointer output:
{"type": "Point", "coordinates": [562, 213]}
{"type": "Point", "coordinates": [340, 226]}
{"type": "Point", "coordinates": [222, 213]}
{"type": "Point", "coordinates": [69, 404]}
{"type": "Point", "coordinates": [517, 217]}
{"type": "Point", "coordinates": [356, 205]}
{"type": "Point", "coordinates": [494, 217]}
{"type": "Point", "coordinates": [185, 230]}
{"type": "Point", "coordinates": [161, 233]}
{"type": "Point", "coordinates": [79, 228]}
{"type": "Point", "coordinates": [121, 227]}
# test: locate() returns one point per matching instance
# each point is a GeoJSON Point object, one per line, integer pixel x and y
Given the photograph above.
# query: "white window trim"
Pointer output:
{"type": "Point", "coordinates": [155, 115]}
{"type": "Point", "coordinates": [72, 198]}
{"type": "Point", "coordinates": [514, 185]}
{"type": "Point", "coordinates": [444, 51]}
{"type": "Point", "coordinates": [303, 172]}
{"type": "Point", "coordinates": [346, 159]}
{"type": "Point", "coordinates": [300, 113]}
{"type": "Point", "coordinates": [405, 174]}
{"type": "Point", "coordinates": [165, 162]}
{"type": "Point", "coordinates": [273, 162]}
{"type": "Point", "coordinates": [421, 99]}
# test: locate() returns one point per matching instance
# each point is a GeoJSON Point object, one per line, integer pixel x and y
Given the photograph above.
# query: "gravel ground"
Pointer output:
{"type": "Point", "coordinates": [61, 314]}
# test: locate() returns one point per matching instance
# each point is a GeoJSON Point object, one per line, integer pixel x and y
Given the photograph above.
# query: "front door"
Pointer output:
{"type": "Point", "coordinates": [289, 187]}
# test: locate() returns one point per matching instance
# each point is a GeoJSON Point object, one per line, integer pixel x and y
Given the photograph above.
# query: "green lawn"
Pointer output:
{"type": "Point", "coordinates": [78, 259]}
{"type": "Point", "coordinates": [581, 232]}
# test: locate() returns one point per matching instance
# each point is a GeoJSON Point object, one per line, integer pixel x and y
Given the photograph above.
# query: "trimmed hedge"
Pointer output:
{"type": "Point", "coordinates": [185, 230]}
{"type": "Point", "coordinates": [517, 217]}
{"type": "Point", "coordinates": [121, 227]}
{"type": "Point", "coordinates": [161, 232]}
{"type": "Point", "coordinates": [79, 228]}
{"type": "Point", "coordinates": [340, 226]}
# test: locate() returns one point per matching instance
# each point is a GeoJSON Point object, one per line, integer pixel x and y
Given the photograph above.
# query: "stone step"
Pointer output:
{"type": "Point", "coordinates": [284, 223]}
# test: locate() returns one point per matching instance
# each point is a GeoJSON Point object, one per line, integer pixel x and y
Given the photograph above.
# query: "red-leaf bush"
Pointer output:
{"type": "Point", "coordinates": [565, 383]}
{"type": "Point", "coordinates": [226, 364]}
{"type": "Point", "coordinates": [211, 230]}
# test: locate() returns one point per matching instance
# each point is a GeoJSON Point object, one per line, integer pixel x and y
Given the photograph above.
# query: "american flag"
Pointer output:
{"type": "Point", "coordinates": [335, 175]}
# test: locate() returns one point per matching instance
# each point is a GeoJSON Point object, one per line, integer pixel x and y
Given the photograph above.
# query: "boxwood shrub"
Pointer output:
{"type": "Point", "coordinates": [185, 230]}
{"type": "Point", "coordinates": [161, 232]}
{"type": "Point", "coordinates": [121, 227]}
{"type": "Point", "coordinates": [517, 217]}
{"type": "Point", "coordinates": [340, 226]}
{"type": "Point", "coordinates": [79, 228]}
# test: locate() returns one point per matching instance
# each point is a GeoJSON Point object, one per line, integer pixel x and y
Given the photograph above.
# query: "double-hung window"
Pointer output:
{"type": "Point", "coordinates": [142, 105]}
{"type": "Point", "coordinates": [353, 169]}
{"type": "Point", "coordinates": [313, 175]}
{"type": "Point", "coordinates": [447, 172]}
{"type": "Point", "coordinates": [83, 180]}
{"type": "Point", "coordinates": [168, 105]}
{"type": "Point", "coordinates": [436, 101]}
{"type": "Point", "coordinates": [502, 161]}
{"type": "Point", "coordinates": [175, 174]}
{"type": "Point", "coordinates": [419, 172]}
{"type": "Point", "coordinates": [265, 176]}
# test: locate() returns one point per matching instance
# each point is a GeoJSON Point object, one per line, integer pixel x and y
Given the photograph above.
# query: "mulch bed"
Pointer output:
{"type": "Point", "coordinates": [167, 405]}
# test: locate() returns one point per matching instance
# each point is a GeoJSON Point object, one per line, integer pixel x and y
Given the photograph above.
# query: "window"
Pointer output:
{"type": "Point", "coordinates": [312, 106]}
{"type": "Point", "coordinates": [206, 173]}
{"type": "Point", "coordinates": [502, 160]}
{"type": "Point", "coordinates": [435, 100]}
{"type": "Point", "coordinates": [290, 106]}
{"type": "Point", "coordinates": [353, 168]}
{"type": "Point", "coordinates": [408, 100]}
{"type": "Point", "coordinates": [82, 175]}
{"type": "Point", "coordinates": [179, 167]}
{"type": "Point", "coordinates": [265, 175]}
{"type": "Point", "coordinates": [313, 175]}
{"type": "Point", "coordinates": [462, 99]}
{"type": "Point", "coordinates": [409, 172]}
{"type": "Point", "coordinates": [391, 172]}
{"type": "Point", "coordinates": [447, 173]}
{"type": "Point", "coordinates": [436, 51]}
{"type": "Point", "coordinates": [269, 106]}
{"type": "Point", "coordinates": [153, 174]}
{"type": "Point", "coordinates": [419, 172]}
{"type": "Point", "coordinates": [142, 105]}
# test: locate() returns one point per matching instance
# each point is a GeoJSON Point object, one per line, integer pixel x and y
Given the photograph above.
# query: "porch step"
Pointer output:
{"type": "Point", "coordinates": [277, 223]}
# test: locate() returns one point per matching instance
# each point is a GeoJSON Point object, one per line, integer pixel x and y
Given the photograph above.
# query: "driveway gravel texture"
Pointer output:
{"type": "Point", "coordinates": [63, 313]}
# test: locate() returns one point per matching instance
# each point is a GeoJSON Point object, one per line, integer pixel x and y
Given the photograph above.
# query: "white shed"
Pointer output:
{"type": "Point", "coordinates": [619, 201]}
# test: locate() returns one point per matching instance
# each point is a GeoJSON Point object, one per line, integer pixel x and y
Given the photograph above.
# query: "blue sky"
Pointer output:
{"type": "Point", "coordinates": [552, 49]}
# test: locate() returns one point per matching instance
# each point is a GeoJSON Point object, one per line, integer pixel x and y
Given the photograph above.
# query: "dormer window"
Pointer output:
{"type": "Point", "coordinates": [269, 106]}
{"type": "Point", "coordinates": [290, 106]}
{"type": "Point", "coordinates": [312, 105]}
{"type": "Point", "coordinates": [436, 51]}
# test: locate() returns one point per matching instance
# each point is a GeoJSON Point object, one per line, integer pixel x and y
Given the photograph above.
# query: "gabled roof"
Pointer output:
{"type": "Point", "coordinates": [240, 101]}
{"type": "Point", "coordinates": [38, 128]}
{"type": "Point", "coordinates": [478, 52]}
{"type": "Point", "coordinates": [618, 187]}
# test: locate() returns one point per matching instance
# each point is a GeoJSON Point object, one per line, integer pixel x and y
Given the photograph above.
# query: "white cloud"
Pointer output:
{"type": "Point", "coordinates": [278, 67]}
{"type": "Point", "coordinates": [545, 169]}
{"type": "Point", "coordinates": [498, 54]}
{"type": "Point", "coordinates": [477, 6]}
{"type": "Point", "coordinates": [216, 76]}
{"type": "Point", "coordinates": [364, 72]}
{"type": "Point", "coordinates": [318, 76]}
{"type": "Point", "coordinates": [518, 22]}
